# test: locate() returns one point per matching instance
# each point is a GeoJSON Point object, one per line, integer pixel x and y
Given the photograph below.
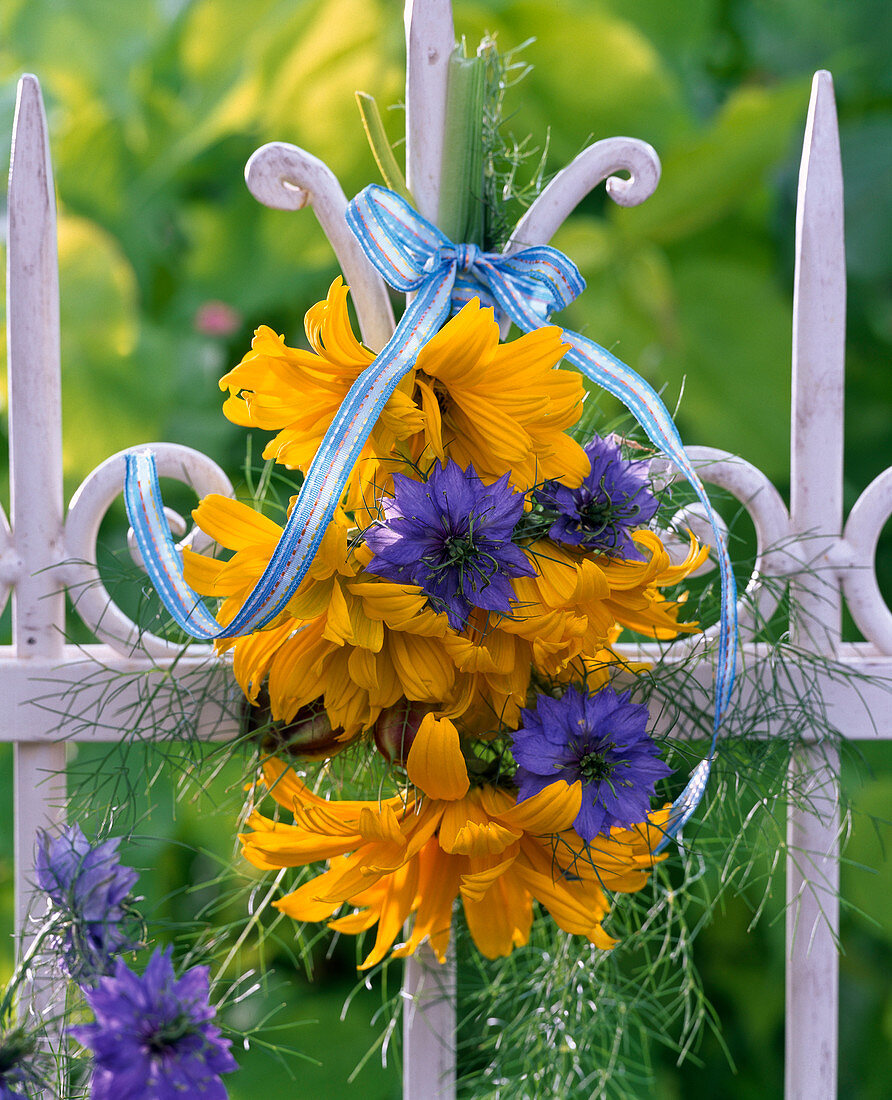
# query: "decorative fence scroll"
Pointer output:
{"type": "Point", "coordinates": [43, 551]}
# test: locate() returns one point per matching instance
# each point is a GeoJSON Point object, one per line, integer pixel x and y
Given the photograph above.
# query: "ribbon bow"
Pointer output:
{"type": "Point", "coordinates": [415, 257]}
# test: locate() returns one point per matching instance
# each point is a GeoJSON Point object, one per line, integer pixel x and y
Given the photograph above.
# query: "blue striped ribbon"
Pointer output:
{"type": "Point", "coordinates": [413, 256]}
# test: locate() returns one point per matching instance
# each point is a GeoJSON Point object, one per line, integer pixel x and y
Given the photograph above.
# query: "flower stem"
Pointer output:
{"type": "Point", "coordinates": [380, 146]}
{"type": "Point", "coordinates": [460, 213]}
{"type": "Point", "coordinates": [22, 968]}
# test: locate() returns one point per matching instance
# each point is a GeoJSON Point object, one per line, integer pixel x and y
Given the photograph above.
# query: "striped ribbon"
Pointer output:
{"type": "Point", "coordinates": [413, 256]}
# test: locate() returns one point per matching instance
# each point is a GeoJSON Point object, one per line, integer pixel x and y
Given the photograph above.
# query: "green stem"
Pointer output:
{"type": "Point", "coordinates": [460, 213]}
{"type": "Point", "coordinates": [255, 917]}
{"type": "Point", "coordinates": [380, 146]}
{"type": "Point", "coordinates": [22, 969]}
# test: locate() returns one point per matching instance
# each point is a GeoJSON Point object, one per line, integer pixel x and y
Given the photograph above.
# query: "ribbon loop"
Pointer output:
{"type": "Point", "coordinates": [396, 239]}
{"type": "Point", "coordinates": [407, 250]}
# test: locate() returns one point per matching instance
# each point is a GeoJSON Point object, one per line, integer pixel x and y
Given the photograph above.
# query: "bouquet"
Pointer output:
{"type": "Point", "coordinates": [461, 551]}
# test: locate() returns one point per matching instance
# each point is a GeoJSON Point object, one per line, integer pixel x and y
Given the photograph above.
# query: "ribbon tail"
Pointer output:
{"type": "Point", "coordinates": [653, 416]}
{"type": "Point", "coordinates": [320, 493]}
{"type": "Point", "coordinates": [639, 397]}
{"type": "Point", "coordinates": [683, 807]}
{"type": "Point", "coordinates": [162, 560]}
{"type": "Point", "coordinates": [648, 409]}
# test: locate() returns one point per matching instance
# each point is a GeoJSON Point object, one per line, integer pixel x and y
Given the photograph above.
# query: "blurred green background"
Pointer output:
{"type": "Point", "coordinates": [168, 264]}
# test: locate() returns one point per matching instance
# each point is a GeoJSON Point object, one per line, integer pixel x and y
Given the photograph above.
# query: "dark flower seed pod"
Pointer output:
{"type": "Point", "coordinates": [396, 727]}
{"type": "Point", "coordinates": [308, 736]}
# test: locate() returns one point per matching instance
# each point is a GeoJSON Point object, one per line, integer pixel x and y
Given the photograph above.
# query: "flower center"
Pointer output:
{"type": "Point", "coordinates": [595, 767]}
{"type": "Point", "coordinates": [167, 1034]}
{"type": "Point", "coordinates": [441, 393]}
{"type": "Point", "coordinates": [456, 548]}
{"type": "Point", "coordinates": [461, 554]}
{"type": "Point", "coordinates": [597, 515]}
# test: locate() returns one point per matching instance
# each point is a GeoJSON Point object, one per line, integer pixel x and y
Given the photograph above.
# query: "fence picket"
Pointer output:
{"type": "Point", "coordinates": [35, 430]}
{"type": "Point", "coordinates": [816, 465]}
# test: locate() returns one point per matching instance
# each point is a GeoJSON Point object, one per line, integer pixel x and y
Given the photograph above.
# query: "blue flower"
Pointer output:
{"type": "Point", "coordinates": [613, 500]}
{"type": "Point", "coordinates": [451, 535]}
{"type": "Point", "coordinates": [87, 887]}
{"type": "Point", "coordinates": [153, 1035]}
{"type": "Point", "coordinates": [599, 739]}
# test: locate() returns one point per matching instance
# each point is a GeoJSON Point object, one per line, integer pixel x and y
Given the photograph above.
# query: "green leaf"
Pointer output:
{"type": "Point", "coordinates": [706, 176]}
{"type": "Point", "coordinates": [734, 352]}
{"type": "Point", "coordinates": [460, 213]}
{"type": "Point", "coordinates": [380, 145]}
{"type": "Point", "coordinates": [595, 75]}
{"type": "Point", "coordinates": [107, 402]}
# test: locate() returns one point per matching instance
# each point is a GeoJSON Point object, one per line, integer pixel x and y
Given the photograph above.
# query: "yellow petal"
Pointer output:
{"type": "Point", "coordinates": [475, 885]}
{"type": "Point", "coordinates": [433, 422]}
{"type": "Point", "coordinates": [502, 920]}
{"type": "Point", "coordinates": [572, 913]}
{"type": "Point", "coordinates": [591, 583]}
{"type": "Point", "coordinates": [233, 524]}
{"type": "Point", "coordinates": [419, 664]}
{"type": "Point", "coordinates": [438, 883]}
{"type": "Point", "coordinates": [435, 764]}
{"type": "Point", "coordinates": [482, 840]}
{"type": "Point", "coordinates": [394, 908]}
{"type": "Point", "coordinates": [545, 812]}
{"type": "Point", "coordinates": [382, 826]}
{"type": "Point", "coordinates": [202, 573]}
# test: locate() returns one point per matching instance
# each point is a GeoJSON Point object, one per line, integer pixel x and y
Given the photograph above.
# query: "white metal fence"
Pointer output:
{"type": "Point", "coordinates": [45, 550]}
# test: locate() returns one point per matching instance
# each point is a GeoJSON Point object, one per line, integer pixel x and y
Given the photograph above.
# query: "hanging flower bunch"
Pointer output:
{"type": "Point", "coordinates": [442, 602]}
{"type": "Point", "coordinates": [457, 623]}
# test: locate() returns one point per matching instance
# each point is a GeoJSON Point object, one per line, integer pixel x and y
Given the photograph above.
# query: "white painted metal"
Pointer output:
{"type": "Point", "coordinates": [816, 457]}
{"type": "Point", "coordinates": [10, 566]}
{"type": "Point", "coordinates": [93, 693]}
{"type": "Point", "coordinates": [771, 521]}
{"type": "Point", "coordinates": [429, 991]}
{"type": "Point", "coordinates": [52, 692]}
{"type": "Point", "coordinates": [583, 174]}
{"type": "Point", "coordinates": [88, 507]}
{"type": "Point", "coordinates": [856, 561]}
{"type": "Point", "coordinates": [287, 178]}
{"type": "Point", "coordinates": [429, 1024]}
{"type": "Point", "coordinates": [35, 429]}
{"type": "Point", "coordinates": [430, 40]}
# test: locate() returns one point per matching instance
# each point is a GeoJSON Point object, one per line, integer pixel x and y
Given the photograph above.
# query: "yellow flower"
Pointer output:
{"type": "Point", "coordinates": [635, 599]}
{"type": "Point", "coordinates": [362, 643]}
{"type": "Point", "coordinates": [357, 641]}
{"type": "Point", "coordinates": [566, 620]}
{"type": "Point", "coordinates": [297, 393]}
{"type": "Point", "coordinates": [414, 855]}
{"type": "Point", "coordinates": [500, 407]}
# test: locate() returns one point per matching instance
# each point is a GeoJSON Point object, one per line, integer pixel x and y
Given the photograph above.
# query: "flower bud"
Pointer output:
{"type": "Point", "coordinates": [396, 727]}
{"type": "Point", "coordinates": [309, 735]}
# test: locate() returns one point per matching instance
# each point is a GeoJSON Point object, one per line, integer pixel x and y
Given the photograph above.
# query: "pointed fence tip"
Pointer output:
{"type": "Point", "coordinates": [30, 166]}
{"type": "Point", "coordinates": [29, 104]}
{"type": "Point", "coordinates": [822, 101]}
{"type": "Point", "coordinates": [29, 95]}
{"type": "Point", "coordinates": [822, 125]}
